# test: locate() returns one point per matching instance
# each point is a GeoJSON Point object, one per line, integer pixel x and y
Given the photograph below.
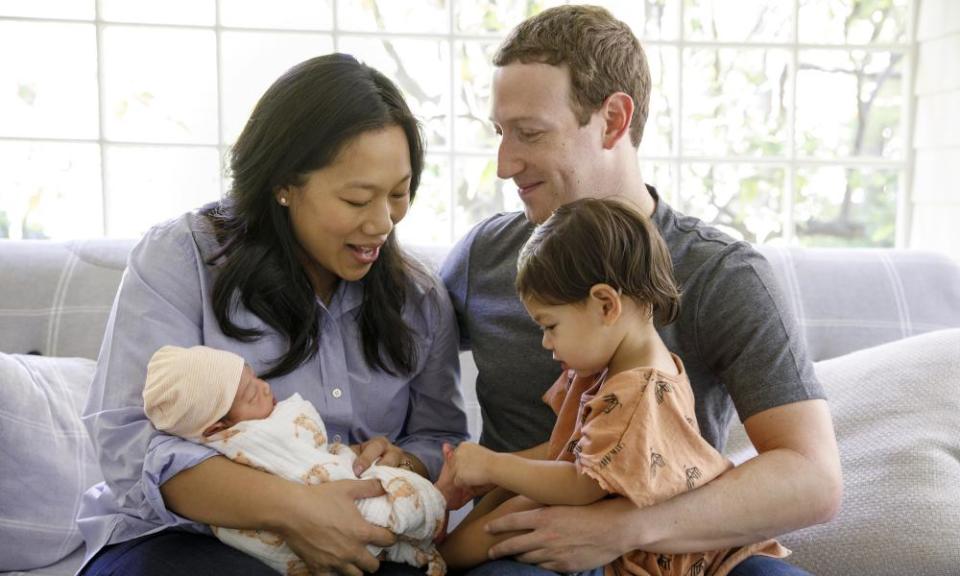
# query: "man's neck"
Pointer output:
{"type": "Point", "coordinates": [632, 187]}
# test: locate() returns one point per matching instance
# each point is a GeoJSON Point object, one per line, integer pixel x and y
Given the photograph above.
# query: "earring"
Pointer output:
{"type": "Point", "coordinates": [283, 201]}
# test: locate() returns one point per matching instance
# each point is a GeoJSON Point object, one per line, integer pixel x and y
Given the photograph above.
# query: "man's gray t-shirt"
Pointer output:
{"type": "Point", "coordinates": [735, 334]}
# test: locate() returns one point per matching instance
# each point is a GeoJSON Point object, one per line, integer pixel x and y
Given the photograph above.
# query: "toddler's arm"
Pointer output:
{"type": "Point", "coordinates": [468, 545]}
{"type": "Point", "coordinates": [545, 481]}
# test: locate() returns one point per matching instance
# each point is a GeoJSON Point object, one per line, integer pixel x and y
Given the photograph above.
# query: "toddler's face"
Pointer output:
{"type": "Point", "coordinates": [571, 332]}
{"type": "Point", "coordinates": [254, 399]}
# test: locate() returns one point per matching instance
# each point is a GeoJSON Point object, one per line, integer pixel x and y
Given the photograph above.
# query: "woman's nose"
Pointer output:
{"type": "Point", "coordinates": [379, 220]}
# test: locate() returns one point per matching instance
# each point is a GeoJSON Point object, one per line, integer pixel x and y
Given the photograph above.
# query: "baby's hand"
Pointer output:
{"type": "Point", "coordinates": [456, 494]}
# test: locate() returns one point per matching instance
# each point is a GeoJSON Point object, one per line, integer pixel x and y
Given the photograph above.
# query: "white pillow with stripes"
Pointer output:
{"type": "Point", "coordinates": [46, 458]}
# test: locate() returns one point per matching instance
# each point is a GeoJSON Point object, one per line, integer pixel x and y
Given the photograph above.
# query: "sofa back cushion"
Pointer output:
{"type": "Point", "coordinates": [56, 296]}
{"type": "Point", "coordinates": [48, 459]}
{"type": "Point", "coordinates": [849, 299]}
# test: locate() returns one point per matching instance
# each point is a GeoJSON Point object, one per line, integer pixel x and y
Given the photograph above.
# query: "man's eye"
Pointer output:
{"type": "Point", "coordinates": [529, 134]}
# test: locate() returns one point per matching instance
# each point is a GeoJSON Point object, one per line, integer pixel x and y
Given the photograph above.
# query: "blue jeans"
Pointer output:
{"type": "Point", "coordinates": [766, 566]}
{"type": "Point", "coordinates": [514, 568]}
{"type": "Point", "coordinates": [174, 553]}
{"type": "Point", "coordinates": [752, 566]}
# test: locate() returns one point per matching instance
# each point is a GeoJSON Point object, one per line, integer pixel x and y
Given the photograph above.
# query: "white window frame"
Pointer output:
{"type": "Point", "coordinates": [677, 159]}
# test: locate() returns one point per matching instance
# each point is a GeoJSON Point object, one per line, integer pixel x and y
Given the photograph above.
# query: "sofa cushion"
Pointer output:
{"type": "Point", "coordinates": [56, 296]}
{"type": "Point", "coordinates": [896, 409]}
{"type": "Point", "coordinates": [48, 459]}
{"type": "Point", "coordinates": [855, 298]}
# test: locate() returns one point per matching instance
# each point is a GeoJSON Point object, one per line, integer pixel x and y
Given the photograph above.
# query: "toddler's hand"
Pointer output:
{"type": "Point", "coordinates": [471, 465]}
{"type": "Point", "coordinates": [456, 494]}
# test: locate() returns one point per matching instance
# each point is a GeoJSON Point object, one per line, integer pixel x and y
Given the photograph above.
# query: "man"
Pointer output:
{"type": "Point", "coordinates": [570, 97]}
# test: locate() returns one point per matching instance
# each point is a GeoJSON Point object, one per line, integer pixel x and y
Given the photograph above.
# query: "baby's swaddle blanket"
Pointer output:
{"type": "Point", "coordinates": [292, 443]}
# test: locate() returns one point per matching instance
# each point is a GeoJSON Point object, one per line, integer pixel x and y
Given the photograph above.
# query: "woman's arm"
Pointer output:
{"type": "Point", "coordinates": [435, 413]}
{"type": "Point", "coordinates": [320, 523]}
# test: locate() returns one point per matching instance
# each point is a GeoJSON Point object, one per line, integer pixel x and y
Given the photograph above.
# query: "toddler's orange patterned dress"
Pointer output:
{"type": "Point", "coordinates": [637, 435]}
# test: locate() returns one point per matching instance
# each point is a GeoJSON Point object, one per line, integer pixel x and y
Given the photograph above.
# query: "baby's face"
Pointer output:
{"type": "Point", "coordinates": [254, 399]}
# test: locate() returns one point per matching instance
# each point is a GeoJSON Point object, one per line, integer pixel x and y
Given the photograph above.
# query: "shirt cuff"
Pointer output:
{"type": "Point", "coordinates": [167, 456]}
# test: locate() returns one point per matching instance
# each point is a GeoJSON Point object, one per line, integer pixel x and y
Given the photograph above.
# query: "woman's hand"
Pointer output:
{"type": "Point", "coordinates": [325, 529]}
{"type": "Point", "coordinates": [368, 452]}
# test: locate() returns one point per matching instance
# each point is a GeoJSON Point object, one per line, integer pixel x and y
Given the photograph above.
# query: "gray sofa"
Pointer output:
{"type": "Point", "coordinates": [881, 324]}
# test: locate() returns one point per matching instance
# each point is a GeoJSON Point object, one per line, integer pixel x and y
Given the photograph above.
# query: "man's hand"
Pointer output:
{"type": "Point", "coordinates": [553, 537]}
{"type": "Point", "coordinates": [456, 496]}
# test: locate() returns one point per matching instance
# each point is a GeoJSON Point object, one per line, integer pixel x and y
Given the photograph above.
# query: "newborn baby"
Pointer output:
{"type": "Point", "coordinates": [214, 398]}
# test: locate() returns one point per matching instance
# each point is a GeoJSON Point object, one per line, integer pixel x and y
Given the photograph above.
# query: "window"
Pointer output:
{"type": "Point", "coordinates": [778, 120]}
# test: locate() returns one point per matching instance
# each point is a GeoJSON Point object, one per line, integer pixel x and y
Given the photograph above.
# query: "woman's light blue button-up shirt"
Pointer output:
{"type": "Point", "coordinates": [165, 298]}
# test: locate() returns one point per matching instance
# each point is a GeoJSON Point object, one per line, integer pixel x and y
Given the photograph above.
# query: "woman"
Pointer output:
{"type": "Point", "coordinates": [299, 272]}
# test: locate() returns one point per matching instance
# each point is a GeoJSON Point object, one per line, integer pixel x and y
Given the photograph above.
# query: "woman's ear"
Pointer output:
{"type": "Point", "coordinates": [608, 302]}
{"type": "Point", "coordinates": [617, 112]}
{"type": "Point", "coordinates": [282, 195]}
{"type": "Point", "coordinates": [217, 426]}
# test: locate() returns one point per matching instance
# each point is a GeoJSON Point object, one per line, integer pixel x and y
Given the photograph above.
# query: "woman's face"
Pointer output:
{"type": "Point", "coordinates": [343, 213]}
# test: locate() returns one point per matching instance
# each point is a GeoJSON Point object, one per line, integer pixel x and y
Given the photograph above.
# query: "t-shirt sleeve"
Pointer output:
{"type": "Point", "coordinates": [747, 332]}
{"type": "Point", "coordinates": [640, 439]}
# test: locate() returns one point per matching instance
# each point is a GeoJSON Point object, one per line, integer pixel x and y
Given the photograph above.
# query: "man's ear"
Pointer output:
{"type": "Point", "coordinates": [607, 300]}
{"type": "Point", "coordinates": [217, 426]}
{"type": "Point", "coordinates": [617, 111]}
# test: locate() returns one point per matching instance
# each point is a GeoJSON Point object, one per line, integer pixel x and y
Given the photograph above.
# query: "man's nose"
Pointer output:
{"type": "Point", "coordinates": [509, 163]}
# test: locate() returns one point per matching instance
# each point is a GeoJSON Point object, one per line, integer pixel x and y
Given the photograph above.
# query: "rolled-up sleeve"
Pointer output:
{"type": "Point", "coordinates": [159, 302]}
{"type": "Point", "coordinates": [436, 411]}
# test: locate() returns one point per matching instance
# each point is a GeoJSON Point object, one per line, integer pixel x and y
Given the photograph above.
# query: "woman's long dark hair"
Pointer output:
{"type": "Point", "coordinates": [299, 125]}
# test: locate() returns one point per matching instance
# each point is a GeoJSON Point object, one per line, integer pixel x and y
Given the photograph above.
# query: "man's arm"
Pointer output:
{"type": "Point", "coordinates": [794, 482]}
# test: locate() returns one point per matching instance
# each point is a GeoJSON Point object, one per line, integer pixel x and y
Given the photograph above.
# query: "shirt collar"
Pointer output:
{"type": "Point", "coordinates": [347, 297]}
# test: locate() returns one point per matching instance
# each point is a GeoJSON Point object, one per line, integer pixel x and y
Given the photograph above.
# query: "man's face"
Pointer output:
{"type": "Point", "coordinates": [543, 148]}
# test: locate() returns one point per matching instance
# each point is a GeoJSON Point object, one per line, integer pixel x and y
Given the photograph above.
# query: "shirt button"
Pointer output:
{"type": "Point", "coordinates": [337, 438]}
{"type": "Point", "coordinates": [337, 392]}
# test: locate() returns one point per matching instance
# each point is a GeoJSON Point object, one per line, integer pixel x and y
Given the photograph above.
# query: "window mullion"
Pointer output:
{"type": "Point", "coordinates": [451, 148]}
{"type": "Point", "coordinates": [904, 211]}
{"type": "Point", "coordinates": [221, 137]}
{"type": "Point", "coordinates": [678, 145]}
{"type": "Point", "coordinates": [789, 192]}
{"type": "Point", "coordinates": [101, 122]}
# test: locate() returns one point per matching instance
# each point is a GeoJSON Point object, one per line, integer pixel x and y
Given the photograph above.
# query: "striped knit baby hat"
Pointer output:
{"type": "Point", "coordinates": [188, 389]}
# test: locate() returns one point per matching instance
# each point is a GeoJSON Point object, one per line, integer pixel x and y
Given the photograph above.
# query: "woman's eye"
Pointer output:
{"type": "Point", "coordinates": [356, 204]}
